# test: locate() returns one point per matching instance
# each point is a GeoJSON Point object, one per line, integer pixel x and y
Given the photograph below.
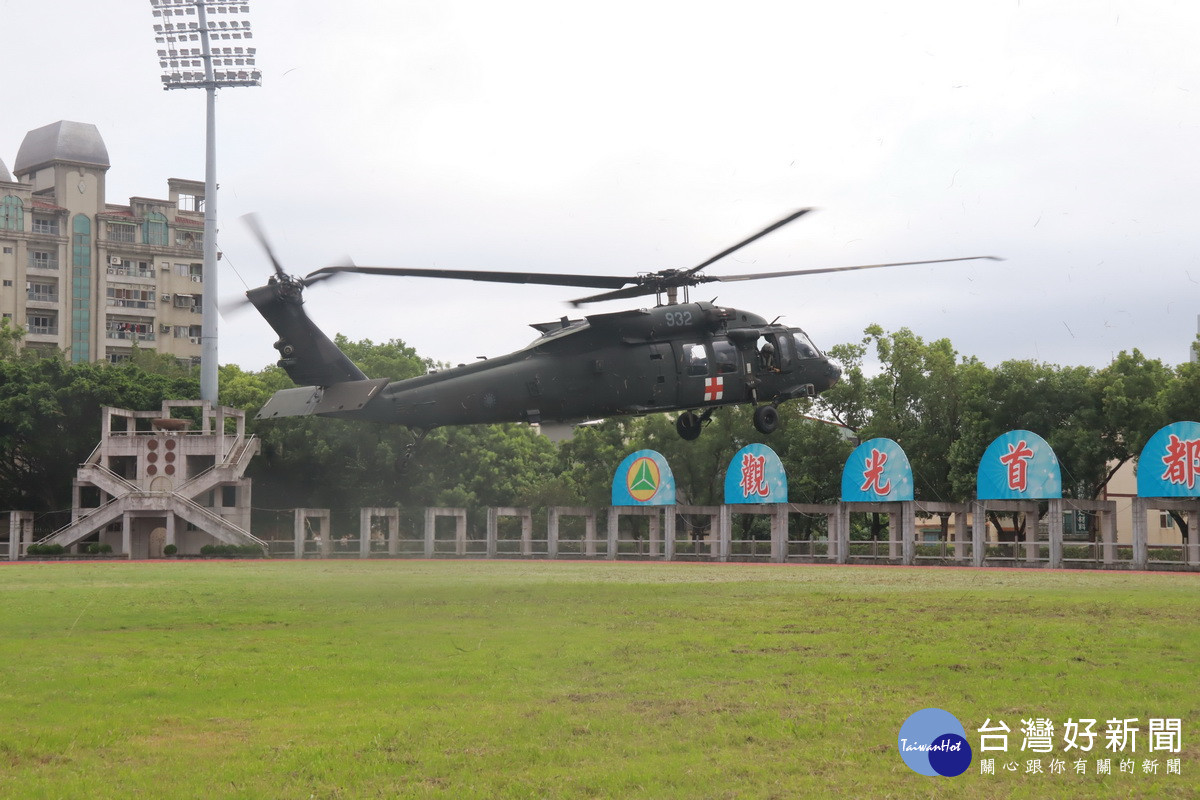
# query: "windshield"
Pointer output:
{"type": "Point", "coordinates": [804, 346]}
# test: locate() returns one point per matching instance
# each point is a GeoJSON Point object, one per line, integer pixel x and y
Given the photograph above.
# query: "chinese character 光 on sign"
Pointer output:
{"type": "Point", "coordinates": [873, 474]}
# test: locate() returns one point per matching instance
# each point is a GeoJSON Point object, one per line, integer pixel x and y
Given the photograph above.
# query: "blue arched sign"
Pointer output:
{"type": "Point", "coordinates": [1170, 462]}
{"type": "Point", "coordinates": [877, 471]}
{"type": "Point", "coordinates": [1018, 465]}
{"type": "Point", "coordinates": [755, 475]}
{"type": "Point", "coordinates": [643, 479]}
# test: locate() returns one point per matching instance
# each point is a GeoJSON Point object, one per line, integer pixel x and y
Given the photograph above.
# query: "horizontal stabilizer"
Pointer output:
{"type": "Point", "coordinates": [306, 400]}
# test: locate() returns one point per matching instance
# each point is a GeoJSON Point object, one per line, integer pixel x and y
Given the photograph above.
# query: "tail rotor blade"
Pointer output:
{"type": "Point", "coordinates": [256, 228]}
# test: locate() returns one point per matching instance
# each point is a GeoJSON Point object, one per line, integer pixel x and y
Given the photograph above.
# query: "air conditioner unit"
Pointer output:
{"type": "Point", "coordinates": [166, 298]}
{"type": "Point", "coordinates": [114, 261]}
{"type": "Point", "coordinates": [164, 329]}
{"type": "Point", "coordinates": [194, 339]}
{"type": "Point", "coordinates": [195, 279]}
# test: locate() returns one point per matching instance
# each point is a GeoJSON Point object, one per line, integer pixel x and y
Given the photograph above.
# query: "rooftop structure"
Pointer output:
{"type": "Point", "coordinates": [89, 277]}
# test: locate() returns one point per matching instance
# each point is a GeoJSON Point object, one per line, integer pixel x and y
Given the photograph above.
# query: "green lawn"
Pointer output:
{"type": "Point", "coordinates": [531, 679]}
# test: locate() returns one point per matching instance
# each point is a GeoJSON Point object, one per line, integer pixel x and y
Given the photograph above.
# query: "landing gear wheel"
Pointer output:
{"type": "Point", "coordinates": [688, 425]}
{"type": "Point", "coordinates": [766, 419]}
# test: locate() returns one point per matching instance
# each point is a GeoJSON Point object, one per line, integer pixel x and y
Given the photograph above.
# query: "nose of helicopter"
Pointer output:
{"type": "Point", "coordinates": [833, 374]}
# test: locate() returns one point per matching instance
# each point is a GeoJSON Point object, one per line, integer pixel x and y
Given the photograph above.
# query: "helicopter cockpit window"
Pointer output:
{"type": "Point", "coordinates": [804, 346]}
{"type": "Point", "coordinates": [725, 353]}
{"type": "Point", "coordinates": [695, 359]}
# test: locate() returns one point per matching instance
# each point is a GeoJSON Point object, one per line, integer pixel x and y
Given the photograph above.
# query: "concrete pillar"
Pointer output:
{"type": "Point", "coordinates": [779, 533]}
{"type": "Point", "coordinates": [170, 525]}
{"type": "Point", "coordinates": [614, 521]}
{"type": "Point", "coordinates": [1055, 513]}
{"type": "Point", "coordinates": [552, 532]}
{"type": "Point", "coordinates": [127, 535]}
{"type": "Point", "coordinates": [1192, 555]}
{"type": "Point", "coordinates": [960, 535]}
{"type": "Point", "coordinates": [908, 530]}
{"type": "Point", "coordinates": [493, 532]}
{"type": "Point", "coordinates": [1141, 550]}
{"type": "Point", "coordinates": [526, 535]}
{"type": "Point", "coordinates": [724, 533]}
{"type": "Point", "coordinates": [1031, 529]}
{"type": "Point", "coordinates": [655, 534]}
{"type": "Point", "coordinates": [978, 533]}
{"type": "Point", "coordinates": [430, 532]}
{"type": "Point", "coordinates": [364, 532]}
{"type": "Point", "coordinates": [895, 537]}
{"type": "Point", "coordinates": [589, 535]}
{"type": "Point", "coordinates": [1108, 535]}
{"type": "Point", "coordinates": [298, 532]}
{"type": "Point", "coordinates": [669, 523]}
{"type": "Point", "coordinates": [20, 531]}
{"type": "Point", "coordinates": [839, 532]}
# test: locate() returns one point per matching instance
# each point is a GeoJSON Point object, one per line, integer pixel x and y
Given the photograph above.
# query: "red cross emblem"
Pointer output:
{"type": "Point", "coordinates": [714, 389]}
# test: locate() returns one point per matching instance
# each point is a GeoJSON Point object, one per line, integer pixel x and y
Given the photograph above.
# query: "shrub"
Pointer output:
{"type": "Point", "coordinates": [231, 551]}
{"type": "Point", "coordinates": [170, 550]}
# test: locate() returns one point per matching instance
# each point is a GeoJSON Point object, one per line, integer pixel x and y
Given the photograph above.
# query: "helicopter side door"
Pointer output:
{"type": "Point", "coordinates": [709, 372]}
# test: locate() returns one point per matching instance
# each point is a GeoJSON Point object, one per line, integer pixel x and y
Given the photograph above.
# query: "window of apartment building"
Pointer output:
{"type": "Point", "coordinates": [129, 328]}
{"type": "Point", "coordinates": [43, 259]}
{"type": "Point", "coordinates": [190, 240]}
{"type": "Point", "coordinates": [190, 332]}
{"type": "Point", "coordinates": [126, 266]}
{"type": "Point", "coordinates": [194, 302]}
{"type": "Point", "coordinates": [12, 213]}
{"type": "Point", "coordinates": [47, 226]}
{"type": "Point", "coordinates": [154, 229]}
{"type": "Point", "coordinates": [42, 322]}
{"type": "Point", "coordinates": [42, 291]}
{"type": "Point", "coordinates": [130, 296]}
{"type": "Point", "coordinates": [117, 356]}
{"type": "Point", "coordinates": [1165, 520]}
{"type": "Point", "coordinates": [191, 202]}
{"type": "Point", "coordinates": [193, 271]}
{"type": "Point", "coordinates": [122, 232]}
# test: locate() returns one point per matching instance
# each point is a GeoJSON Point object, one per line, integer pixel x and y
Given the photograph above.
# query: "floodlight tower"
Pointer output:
{"type": "Point", "coordinates": [185, 31]}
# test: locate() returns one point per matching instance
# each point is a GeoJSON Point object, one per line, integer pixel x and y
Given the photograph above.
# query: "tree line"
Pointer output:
{"type": "Point", "coordinates": [941, 407]}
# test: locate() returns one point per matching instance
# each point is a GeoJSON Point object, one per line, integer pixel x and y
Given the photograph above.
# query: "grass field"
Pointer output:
{"type": "Point", "coordinates": [339, 679]}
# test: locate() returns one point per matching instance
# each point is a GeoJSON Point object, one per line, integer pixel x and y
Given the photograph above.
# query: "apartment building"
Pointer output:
{"type": "Point", "coordinates": [92, 278]}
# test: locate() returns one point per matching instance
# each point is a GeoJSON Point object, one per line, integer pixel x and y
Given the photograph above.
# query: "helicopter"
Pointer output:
{"type": "Point", "coordinates": [678, 356]}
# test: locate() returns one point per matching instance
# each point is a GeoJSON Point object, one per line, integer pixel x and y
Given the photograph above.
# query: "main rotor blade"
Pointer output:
{"type": "Point", "coordinates": [546, 278]}
{"type": "Point", "coordinates": [619, 294]}
{"type": "Point", "coordinates": [256, 228]}
{"type": "Point", "coordinates": [772, 227]}
{"type": "Point", "coordinates": [817, 270]}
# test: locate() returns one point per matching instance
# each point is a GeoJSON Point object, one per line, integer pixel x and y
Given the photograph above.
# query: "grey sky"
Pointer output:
{"type": "Point", "coordinates": [635, 136]}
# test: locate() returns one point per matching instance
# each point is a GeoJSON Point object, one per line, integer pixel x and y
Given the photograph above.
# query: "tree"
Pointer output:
{"type": "Point", "coordinates": [50, 421]}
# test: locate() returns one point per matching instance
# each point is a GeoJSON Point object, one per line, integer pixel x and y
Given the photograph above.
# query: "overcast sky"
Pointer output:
{"type": "Point", "coordinates": [627, 137]}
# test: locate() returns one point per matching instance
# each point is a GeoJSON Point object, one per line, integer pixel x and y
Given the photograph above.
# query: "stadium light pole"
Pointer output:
{"type": "Point", "coordinates": [185, 31]}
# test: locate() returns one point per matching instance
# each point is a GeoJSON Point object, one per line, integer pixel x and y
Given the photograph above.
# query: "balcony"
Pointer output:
{"type": "Point", "coordinates": [41, 260]}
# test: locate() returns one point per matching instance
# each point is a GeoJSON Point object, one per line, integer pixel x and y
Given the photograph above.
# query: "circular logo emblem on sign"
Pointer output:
{"type": "Point", "coordinates": [642, 479]}
{"type": "Point", "coordinates": [934, 742]}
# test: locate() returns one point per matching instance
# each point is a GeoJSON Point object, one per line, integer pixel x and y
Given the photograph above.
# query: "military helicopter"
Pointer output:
{"type": "Point", "coordinates": [689, 357]}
